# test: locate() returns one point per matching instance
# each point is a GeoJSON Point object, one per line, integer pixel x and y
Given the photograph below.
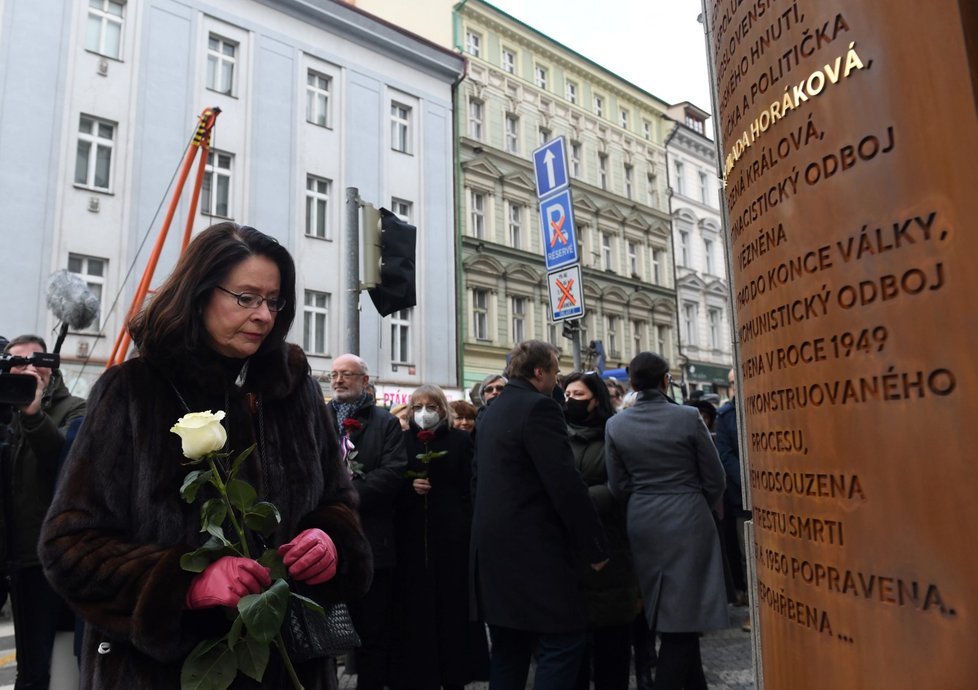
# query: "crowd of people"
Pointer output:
{"type": "Point", "coordinates": [550, 518]}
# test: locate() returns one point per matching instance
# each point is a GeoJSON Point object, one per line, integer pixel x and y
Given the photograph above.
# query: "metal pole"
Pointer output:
{"type": "Point", "coordinates": [351, 310]}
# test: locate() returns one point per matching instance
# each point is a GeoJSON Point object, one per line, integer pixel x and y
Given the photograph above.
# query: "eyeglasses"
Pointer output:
{"type": "Point", "coordinates": [428, 408]}
{"type": "Point", "coordinates": [249, 300]}
{"type": "Point", "coordinates": [493, 389]}
{"type": "Point", "coordinates": [334, 375]}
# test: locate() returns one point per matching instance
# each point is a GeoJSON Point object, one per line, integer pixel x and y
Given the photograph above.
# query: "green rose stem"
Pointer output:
{"type": "Point", "coordinates": [279, 642]}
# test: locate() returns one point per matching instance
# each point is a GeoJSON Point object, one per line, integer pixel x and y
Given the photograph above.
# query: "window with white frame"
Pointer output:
{"type": "Point", "coordinates": [575, 159]}
{"type": "Point", "coordinates": [317, 206]}
{"type": "Point", "coordinates": [518, 311]}
{"type": "Point", "coordinates": [509, 60]}
{"type": "Point", "coordinates": [599, 106]}
{"type": "Point", "coordinates": [623, 118]}
{"type": "Point", "coordinates": [653, 185]}
{"type": "Point", "coordinates": [515, 225]}
{"type": "Point", "coordinates": [638, 336]}
{"type": "Point", "coordinates": [317, 98]}
{"type": "Point", "coordinates": [476, 110]}
{"type": "Point", "coordinates": [480, 314]}
{"type": "Point", "coordinates": [704, 188]}
{"type": "Point", "coordinates": [612, 324]}
{"type": "Point", "coordinates": [215, 192]}
{"type": "Point", "coordinates": [401, 336]}
{"type": "Point", "coordinates": [93, 158]}
{"type": "Point", "coordinates": [689, 322]}
{"type": "Point", "coordinates": [708, 255]}
{"type": "Point", "coordinates": [570, 91]}
{"type": "Point", "coordinates": [512, 133]}
{"type": "Point", "coordinates": [553, 335]}
{"type": "Point", "coordinates": [680, 181]}
{"type": "Point", "coordinates": [603, 170]}
{"type": "Point", "coordinates": [103, 34]}
{"type": "Point", "coordinates": [713, 321]}
{"type": "Point", "coordinates": [657, 266]}
{"type": "Point", "coordinates": [400, 127]}
{"type": "Point", "coordinates": [663, 337]}
{"type": "Point", "coordinates": [473, 43]}
{"type": "Point", "coordinates": [628, 181]}
{"type": "Point", "coordinates": [606, 253]}
{"type": "Point", "coordinates": [647, 129]}
{"type": "Point", "coordinates": [683, 248]}
{"type": "Point", "coordinates": [633, 258]}
{"type": "Point", "coordinates": [315, 322]}
{"type": "Point", "coordinates": [543, 135]}
{"type": "Point", "coordinates": [477, 214]}
{"type": "Point", "coordinates": [402, 209]}
{"type": "Point", "coordinates": [93, 271]}
{"type": "Point", "coordinates": [541, 76]}
{"type": "Point", "coordinates": [221, 57]}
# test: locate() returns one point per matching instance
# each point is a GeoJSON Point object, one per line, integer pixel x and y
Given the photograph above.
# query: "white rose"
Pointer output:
{"type": "Point", "coordinates": [201, 433]}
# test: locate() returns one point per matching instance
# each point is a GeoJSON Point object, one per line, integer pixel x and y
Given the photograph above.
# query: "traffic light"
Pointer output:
{"type": "Point", "coordinates": [397, 285]}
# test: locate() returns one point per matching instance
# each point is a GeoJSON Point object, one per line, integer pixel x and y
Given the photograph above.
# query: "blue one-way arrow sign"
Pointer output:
{"type": "Point", "coordinates": [550, 167]}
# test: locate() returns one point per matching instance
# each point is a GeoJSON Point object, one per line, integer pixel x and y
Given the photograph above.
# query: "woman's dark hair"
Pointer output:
{"type": "Point", "coordinates": [530, 355]}
{"type": "Point", "coordinates": [646, 370]}
{"type": "Point", "coordinates": [171, 325]}
{"type": "Point", "coordinates": [599, 391]}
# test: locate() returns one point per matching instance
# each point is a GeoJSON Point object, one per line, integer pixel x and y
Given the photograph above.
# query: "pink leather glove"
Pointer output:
{"type": "Point", "coordinates": [310, 557]}
{"type": "Point", "coordinates": [225, 581]}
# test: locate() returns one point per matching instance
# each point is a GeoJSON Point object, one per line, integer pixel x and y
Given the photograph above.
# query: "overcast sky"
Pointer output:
{"type": "Point", "coordinates": [656, 44]}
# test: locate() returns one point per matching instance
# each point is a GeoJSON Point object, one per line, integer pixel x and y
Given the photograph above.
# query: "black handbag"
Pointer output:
{"type": "Point", "coordinates": [309, 634]}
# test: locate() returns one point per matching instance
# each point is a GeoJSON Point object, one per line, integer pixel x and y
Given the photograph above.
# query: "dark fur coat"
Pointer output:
{"type": "Point", "coordinates": [117, 527]}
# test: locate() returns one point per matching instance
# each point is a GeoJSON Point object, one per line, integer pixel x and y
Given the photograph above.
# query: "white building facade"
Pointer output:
{"type": "Point", "coordinates": [702, 282]}
{"type": "Point", "coordinates": [98, 102]}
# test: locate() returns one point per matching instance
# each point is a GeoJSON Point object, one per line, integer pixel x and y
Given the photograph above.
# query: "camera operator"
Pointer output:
{"type": "Point", "coordinates": [36, 440]}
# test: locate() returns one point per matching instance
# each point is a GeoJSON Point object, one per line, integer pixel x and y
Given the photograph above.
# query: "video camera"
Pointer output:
{"type": "Point", "coordinates": [18, 389]}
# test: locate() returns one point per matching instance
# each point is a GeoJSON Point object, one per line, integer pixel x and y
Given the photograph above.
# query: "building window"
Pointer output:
{"type": "Point", "coordinates": [476, 110]}
{"type": "Point", "coordinates": [623, 118]}
{"type": "Point", "coordinates": [402, 209]}
{"type": "Point", "coordinates": [92, 271]}
{"type": "Point", "coordinates": [633, 258]}
{"type": "Point", "coordinates": [704, 190]}
{"type": "Point", "coordinates": [713, 316]}
{"type": "Point", "coordinates": [473, 43]}
{"type": "Point", "coordinates": [317, 98]}
{"type": "Point", "coordinates": [215, 193]}
{"type": "Point", "coordinates": [93, 161]}
{"type": "Point", "coordinates": [570, 91]}
{"type": "Point", "coordinates": [575, 158]}
{"type": "Point", "coordinates": [603, 170]}
{"type": "Point", "coordinates": [515, 226]}
{"type": "Point", "coordinates": [480, 314]}
{"type": "Point", "coordinates": [512, 133]}
{"type": "Point", "coordinates": [541, 76]}
{"type": "Point", "coordinates": [694, 124]}
{"type": "Point", "coordinates": [599, 106]}
{"type": "Point", "coordinates": [628, 181]}
{"type": "Point", "coordinates": [553, 337]}
{"type": "Point", "coordinates": [317, 206]}
{"type": "Point", "coordinates": [477, 210]}
{"type": "Point", "coordinates": [518, 309]}
{"type": "Point", "coordinates": [104, 31]}
{"type": "Point", "coordinates": [638, 331]}
{"type": "Point", "coordinates": [400, 127]}
{"type": "Point", "coordinates": [647, 129]}
{"type": "Point", "coordinates": [509, 61]}
{"type": "Point", "coordinates": [220, 64]}
{"type": "Point", "coordinates": [612, 335]}
{"type": "Point", "coordinates": [606, 252]}
{"type": "Point", "coordinates": [708, 254]}
{"type": "Point", "coordinates": [663, 335]}
{"type": "Point", "coordinates": [401, 336]}
{"type": "Point", "coordinates": [543, 135]}
{"type": "Point", "coordinates": [653, 190]}
{"type": "Point", "coordinates": [657, 266]}
{"type": "Point", "coordinates": [683, 248]}
{"type": "Point", "coordinates": [680, 182]}
{"type": "Point", "coordinates": [689, 322]}
{"type": "Point", "coordinates": [315, 322]}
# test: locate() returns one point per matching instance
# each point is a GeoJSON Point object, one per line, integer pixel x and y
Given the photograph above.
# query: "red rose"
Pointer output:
{"type": "Point", "coordinates": [426, 436]}
{"type": "Point", "coordinates": [350, 424]}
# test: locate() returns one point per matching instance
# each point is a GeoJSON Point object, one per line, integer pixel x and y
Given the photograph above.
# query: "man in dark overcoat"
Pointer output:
{"type": "Point", "coordinates": [533, 519]}
{"type": "Point", "coordinates": [378, 462]}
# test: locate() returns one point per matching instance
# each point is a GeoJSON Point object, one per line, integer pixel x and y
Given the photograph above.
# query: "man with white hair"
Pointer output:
{"type": "Point", "coordinates": [378, 462]}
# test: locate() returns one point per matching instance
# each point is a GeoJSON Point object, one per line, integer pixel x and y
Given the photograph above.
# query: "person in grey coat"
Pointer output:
{"type": "Point", "coordinates": [662, 462]}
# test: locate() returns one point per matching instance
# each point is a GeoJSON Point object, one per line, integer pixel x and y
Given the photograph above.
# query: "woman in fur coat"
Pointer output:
{"type": "Point", "coordinates": [212, 338]}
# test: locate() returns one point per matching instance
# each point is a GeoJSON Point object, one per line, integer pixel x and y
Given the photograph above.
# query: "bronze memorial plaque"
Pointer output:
{"type": "Point", "coordinates": [849, 138]}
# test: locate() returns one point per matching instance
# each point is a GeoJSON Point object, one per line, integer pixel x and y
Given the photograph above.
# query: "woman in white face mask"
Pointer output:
{"type": "Point", "coordinates": [434, 514]}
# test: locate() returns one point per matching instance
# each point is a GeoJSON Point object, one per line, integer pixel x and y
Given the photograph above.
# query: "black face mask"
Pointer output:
{"type": "Point", "coordinates": [577, 412]}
